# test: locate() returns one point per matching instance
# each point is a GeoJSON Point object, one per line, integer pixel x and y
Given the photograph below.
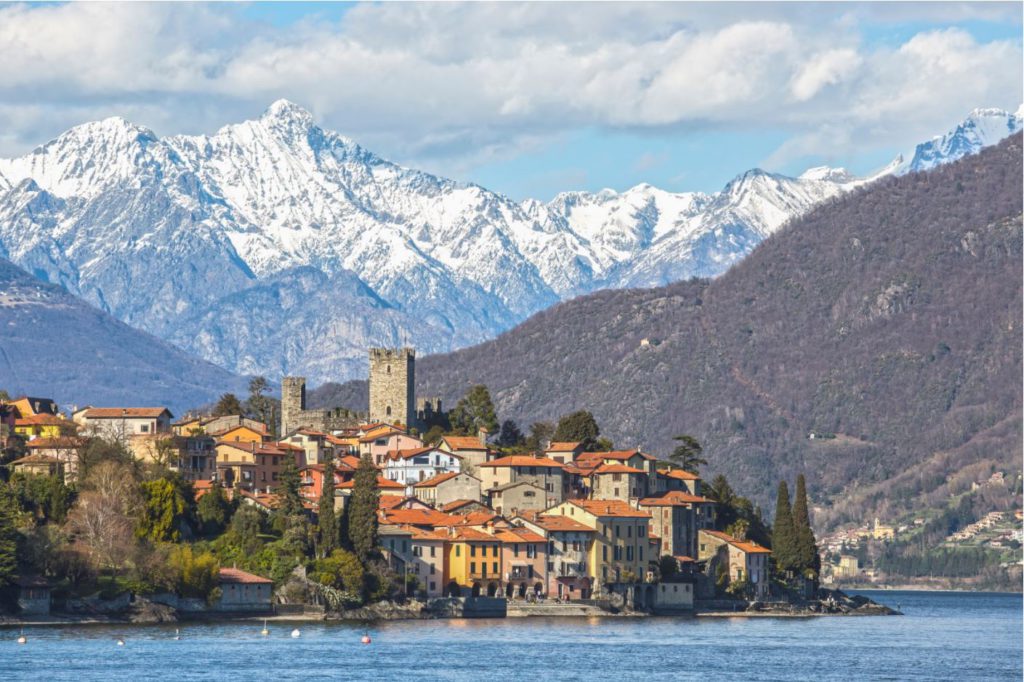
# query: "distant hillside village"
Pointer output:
{"type": "Point", "coordinates": [337, 508]}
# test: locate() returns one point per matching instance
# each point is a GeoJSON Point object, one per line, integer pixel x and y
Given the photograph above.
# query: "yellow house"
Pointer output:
{"type": "Point", "coordinates": [474, 563]}
{"type": "Point", "coordinates": [43, 426]}
{"type": "Point", "coordinates": [241, 434]}
{"type": "Point", "coordinates": [620, 551]}
{"type": "Point", "coordinates": [28, 406]}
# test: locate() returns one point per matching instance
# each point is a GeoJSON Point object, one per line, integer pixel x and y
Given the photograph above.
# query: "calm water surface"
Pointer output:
{"type": "Point", "coordinates": [960, 636]}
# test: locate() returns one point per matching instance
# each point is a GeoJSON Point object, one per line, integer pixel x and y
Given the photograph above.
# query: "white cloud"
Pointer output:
{"type": "Point", "coordinates": [451, 84]}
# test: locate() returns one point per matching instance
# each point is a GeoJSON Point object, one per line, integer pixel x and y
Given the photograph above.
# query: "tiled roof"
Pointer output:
{"type": "Point", "coordinates": [475, 518]}
{"type": "Point", "coordinates": [472, 535]}
{"type": "Point", "coordinates": [565, 446]}
{"type": "Point", "coordinates": [421, 534]}
{"type": "Point", "coordinates": [743, 545]}
{"type": "Point", "coordinates": [553, 523]}
{"type": "Point", "coordinates": [464, 443]}
{"type": "Point", "coordinates": [617, 469]}
{"type": "Point", "coordinates": [390, 501]}
{"type": "Point", "coordinates": [514, 535]}
{"type": "Point", "coordinates": [610, 508]}
{"type": "Point", "coordinates": [382, 483]}
{"type": "Point", "coordinates": [618, 455]}
{"type": "Point", "coordinates": [673, 498]}
{"type": "Point", "coordinates": [55, 443]}
{"type": "Point", "coordinates": [458, 504]}
{"type": "Point", "coordinates": [42, 420]}
{"type": "Point", "coordinates": [680, 474]}
{"type": "Point", "coordinates": [516, 484]}
{"type": "Point", "coordinates": [523, 461]}
{"type": "Point", "coordinates": [440, 478]}
{"type": "Point", "coordinates": [234, 575]}
{"type": "Point", "coordinates": [36, 459]}
{"type": "Point", "coordinates": [414, 517]}
{"type": "Point", "coordinates": [118, 412]}
{"type": "Point", "coordinates": [410, 453]}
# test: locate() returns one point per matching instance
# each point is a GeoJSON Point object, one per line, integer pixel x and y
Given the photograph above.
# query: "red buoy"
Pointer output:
{"type": "Point", "coordinates": [365, 639]}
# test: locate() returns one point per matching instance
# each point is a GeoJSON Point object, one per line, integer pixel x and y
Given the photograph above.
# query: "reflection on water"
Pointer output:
{"type": "Point", "coordinates": [943, 636]}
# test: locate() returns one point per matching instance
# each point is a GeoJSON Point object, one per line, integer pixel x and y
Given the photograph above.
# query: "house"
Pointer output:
{"type": "Point", "coordinates": [445, 488]}
{"type": "Point", "coordinates": [544, 473]}
{"type": "Point", "coordinates": [563, 452]}
{"type": "Point", "coordinates": [193, 456]}
{"type": "Point", "coordinates": [240, 433]}
{"type": "Point", "coordinates": [464, 507]}
{"type": "Point", "coordinates": [33, 596]}
{"type": "Point", "coordinates": [241, 591]}
{"type": "Point", "coordinates": [317, 446]}
{"type": "Point", "coordinates": [849, 567]}
{"type": "Point", "coordinates": [251, 466]}
{"type": "Point", "coordinates": [384, 486]}
{"type": "Point", "coordinates": [518, 496]}
{"type": "Point", "coordinates": [618, 481]}
{"type": "Point", "coordinates": [675, 479]}
{"type": "Point", "coordinates": [524, 561]}
{"type": "Point", "coordinates": [416, 553]}
{"type": "Point", "coordinates": [745, 561]}
{"type": "Point", "coordinates": [620, 552]}
{"type": "Point", "coordinates": [120, 423]}
{"type": "Point", "coordinates": [43, 426]}
{"type": "Point", "coordinates": [473, 566]}
{"type": "Point", "coordinates": [472, 450]}
{"type": "Point", "coordinates": [38, 465]}
{"type": "Point", "coordinates": [426, 519]}
{"type": "Point", "coordinates": [569, 543]}
{"type": "Point", "coordinates": [676, 516]}
{"type": "Point", "coordinates": [419, 464]}
{"type": "Point", "coordinates": [382, 440]}
{"type": "Point", "coordinates": [311, 479]}
{"type": "Point", "coordinates": [28, 406]}
{"type": "Point", "coordinates": [66, 449]}
{"type": "Point", "coordinates": [633, 458]}
{"type": "Point", "coordinates": [193, 426]}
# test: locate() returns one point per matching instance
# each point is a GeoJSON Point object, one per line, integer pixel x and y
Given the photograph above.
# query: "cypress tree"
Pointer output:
{"type": "Point", "coordinates": [362, 509]}
{"type": "Point", "coordinates": [327, 523]}
{"type": "Point", "coordinates": [8, 537]}
{"type": "Point", "coordinates": [289, 490]}
{"type": "Point", "coordinates": [783, 532]}
{"type": "Point", "coordinates": [806, 546]}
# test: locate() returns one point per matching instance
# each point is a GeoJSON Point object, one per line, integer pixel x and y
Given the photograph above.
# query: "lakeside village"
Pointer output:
{"type": "Point", "coordinates": [407, 511]}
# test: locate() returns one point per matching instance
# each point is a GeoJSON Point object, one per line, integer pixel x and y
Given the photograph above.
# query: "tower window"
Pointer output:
{"type": "Point", "coordinates": [389, 410]}
{"type": "Point", "coordinates": [389, 369]}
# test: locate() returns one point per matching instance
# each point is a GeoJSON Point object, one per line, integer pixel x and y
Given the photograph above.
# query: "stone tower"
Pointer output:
{"type": "Point", "coordinates": [393, 385]}
{"type": "Point", "coordinates": [293, 403]}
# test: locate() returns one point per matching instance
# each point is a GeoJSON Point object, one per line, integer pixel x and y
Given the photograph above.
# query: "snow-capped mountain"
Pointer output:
{"type": "Point", "coordinates": [274, 246]}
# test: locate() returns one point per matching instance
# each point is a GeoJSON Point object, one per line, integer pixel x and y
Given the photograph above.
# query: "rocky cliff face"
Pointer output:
{"type": "Point", "coordinates": [275, 246]}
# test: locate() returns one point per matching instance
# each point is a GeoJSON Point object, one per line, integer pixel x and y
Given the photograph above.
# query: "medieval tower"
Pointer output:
{"type": "Point", "coordinates": [293, 403]}
{"type": "Point", "coordinates": [393, 385]}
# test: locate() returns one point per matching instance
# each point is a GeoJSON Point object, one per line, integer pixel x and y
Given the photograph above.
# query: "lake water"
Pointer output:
{"type": "Point", "coordinates": [961, 636]}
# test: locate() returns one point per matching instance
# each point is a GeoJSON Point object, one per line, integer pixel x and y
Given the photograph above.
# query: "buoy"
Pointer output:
{"type": "Point", "coordinates": [120, 642]}
{"type": "Point", "coordinates": [177, 635]}
{"type": "Point", "coordinates": [22, 639]}
{"type": "Point", "coordinates": [264, 631]}
{"type": "Point", "coordinates": [366, 639]}
{"type": "Point", "coordinates": [295, 633]}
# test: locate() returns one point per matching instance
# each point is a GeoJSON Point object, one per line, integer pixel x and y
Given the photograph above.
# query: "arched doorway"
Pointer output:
{"type": "Point", "coordinates": [492, 589]}
{"type": "Point", "coordinates": [476, 590]}
{"type": "Point", "coordinates": [509, 591]}
{"type": "Point", "coordinates": [453, 589]}
{"type": "Point", "coordinates": [522, 589]}
{"type": "Point", "coordinates": [538, 589]}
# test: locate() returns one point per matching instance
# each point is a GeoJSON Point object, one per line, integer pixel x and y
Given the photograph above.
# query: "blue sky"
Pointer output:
{"type": "Point", "coordinates": [529, 99]}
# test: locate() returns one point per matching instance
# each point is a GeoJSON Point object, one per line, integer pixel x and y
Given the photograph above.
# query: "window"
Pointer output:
{"type": "Point", "coordinates": [529, 493]}
{"type": "Point", "coordinates": [615, 493]}
{"type": "Point", "coordinates": [617, 553]}
{"type": "Point", "coordinates": [629, 531]}
{"type": "Point", "coordinates": [551, 565]}
{"type": "Point", "coordinates": [604, 552]}
{"type": "Point", "coordinates": [472, 550]}
{"type": "Point", "coordinates": [273, 476]}
{"type": "Point", "coordinates": [515, 550]}
{"type": "Point", "coordinates": [433, 585]}
{"type": "Point", "coordinates": [531, 551]}
{"type": "Point", "coordinates": [433, 569]}
{"type": "Point", "coordinates": [494, 567]}
{"type": "Point", "coordinates": [458, 550]}
{"type": "Point", "coordinates": [575, 545]}
{"type": "Point", "coordinates": [629, 554]}
{"type": "Point", "coordinates": [263, 475]}
{"type": "Point", "coordinates": [432, 548]}
{"type": "Point", "coordinates": [388, 410]}
{"type": "Point", "coordinates": [616, 478]}
{"type": "Point", "coordinates": [417, 551]}
{"type": "Point", "coordinates": [472, 567]}
{"type": "Point", "coordinates": [618, 531]}
{"type": "Point", "coordinates": [641, 552]}
{"type": "Point", "coordinates": [144, 428]}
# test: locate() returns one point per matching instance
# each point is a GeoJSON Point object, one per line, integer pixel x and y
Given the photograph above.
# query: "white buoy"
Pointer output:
{"type": "Point", "coordinates": [264, 631]}
{"type": "Point", "coordinates": [22, 639]}
{"type": "Point", "coordinates": [366, 638]}
{"type": "Point", "coordinates": [177, 635]}
{"type": "Point", "coordinates": [295, 633]}
{"type": "Point", "coordinates": [120, 642]}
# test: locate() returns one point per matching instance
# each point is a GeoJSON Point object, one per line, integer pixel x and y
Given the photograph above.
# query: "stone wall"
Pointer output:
{"type": "Point", "coordinates": [294, 414]}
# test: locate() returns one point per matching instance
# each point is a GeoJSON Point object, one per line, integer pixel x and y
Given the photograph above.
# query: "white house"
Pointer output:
{"type": "Point", "coordinates": [418, 464]}
{"type": "Point", "coordinates": [121, 423]}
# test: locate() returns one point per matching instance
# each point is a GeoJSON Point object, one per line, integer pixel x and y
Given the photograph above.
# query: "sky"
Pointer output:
{"type": "Point", "coordinates": [528, 99]}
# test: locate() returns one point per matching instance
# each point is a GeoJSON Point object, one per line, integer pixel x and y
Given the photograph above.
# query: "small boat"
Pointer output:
{"type": "Point", "coordinates": [264, 631]}
{"type": "Point", "coordinates": [295, 633]}
{"type": "Point", "coordinates": [120, 641]}
{"type": "Point", "coordinates": [22, 639]}
{"type": "Point", "coordinates": [366, 638]}
{"type": "Point", "coordinates": [177, 635]}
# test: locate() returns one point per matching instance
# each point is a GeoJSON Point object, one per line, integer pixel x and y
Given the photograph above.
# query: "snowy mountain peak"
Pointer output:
{"type": "Point", "coordinates": [287, 110]}
{"type": "Point", "coordinates": [981, 128]}
{"type": "Point", "coordinates": [840, 175]}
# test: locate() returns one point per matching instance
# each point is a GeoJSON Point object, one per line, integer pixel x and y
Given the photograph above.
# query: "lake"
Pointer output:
{"type": "Point", "coordinates": [944, 635]}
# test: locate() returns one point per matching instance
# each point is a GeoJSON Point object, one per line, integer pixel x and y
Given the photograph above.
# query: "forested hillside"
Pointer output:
{"type": "Point", "coordinates": [886, 322]}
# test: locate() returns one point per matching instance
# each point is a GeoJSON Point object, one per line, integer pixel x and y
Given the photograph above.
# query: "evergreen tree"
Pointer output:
{"type": "Point", "coordinates": [259, 404]}
{"type": "Point", "coordinates": [783, 532]}
{"type": "Point", "coordinates": [362, 511]}
{"type": "Point", "coordinates": [540, 435]}
{"type": "Point", "coordinates": [474, 411]}
{"type": "Point", "coordinates": [227, 405]}
{"type": "Point", "coordinates": [291, 501]}
{"type": "Point", "coordinates": [163, 508]}
{"type": "Point", "coordinates": [214, 510]}
{"type": "Point", "coordinates": [687, 454]}
{"type": "Point", "coordinates": [578, 427]}
{"type": "Point", "coordinates": [327, 522]}
{"type": "Point", "coordinates": [510, 435]}
{"type": "Point", "coordinates": [8, 537]}
{"type": "Point", "coordinates": [806, 546]}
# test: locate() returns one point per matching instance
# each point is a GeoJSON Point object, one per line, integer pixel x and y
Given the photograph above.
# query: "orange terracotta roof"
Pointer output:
{"type": "Point", "coordinates": [474, 518]}
{"type": "Point", "coordinates": [514, 535]}
{"type": "Point", "coordinates": [234, 575]}
{"type": "Point", "coordinates": [458, 504]}
{"type": "Point", "coordinates": [743, 545]}
{"type": "Point", "coordinates": [673, 498]}
{"type": "Point", "coordinates": [414, 517]}
{"type": "Point", "coordinates": [472, 535]}
{"type": "Point", "coordinates": [553, 523]}
{"type": "Point", "coordinates": [573, 469]}
{"type": "Point", "coordinates": [523, 461]}
{"type": "Point", "coordinates": [421, 534]}
{"type": "Point", "coordinates": [565, 446]}
{"type": "Point", "coordinates": [679, 473]}
{"type": "Point", "coordinates": [43, 420]}
{"type": "Point", "coordinates": [409, 453]}
{"type": "Point", "coordinates": [440, 478]}
{"type": "Point", "coordinates": [251, 447]}
{"type": "Point", "coordinates": [55, 443]}
{"type": "Point", "coordinates": [36, 459]}
{"type": "Point", "coordinates": [618, 455]}
{"type": "Point", "coordinates": [617, 469]}
{"type": "Point", "coordinates": [464, 443]}
{"type": "Point", "coordinates": [118, 412]}
{"type": "Point", "coordinates": [382, 483]}
{"type": "Point", "coordinates": [683, 559]}
{"type": "Point", "coordinates": [610, 508]}
{"type": "Point", "coordinates": [390, 501]}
